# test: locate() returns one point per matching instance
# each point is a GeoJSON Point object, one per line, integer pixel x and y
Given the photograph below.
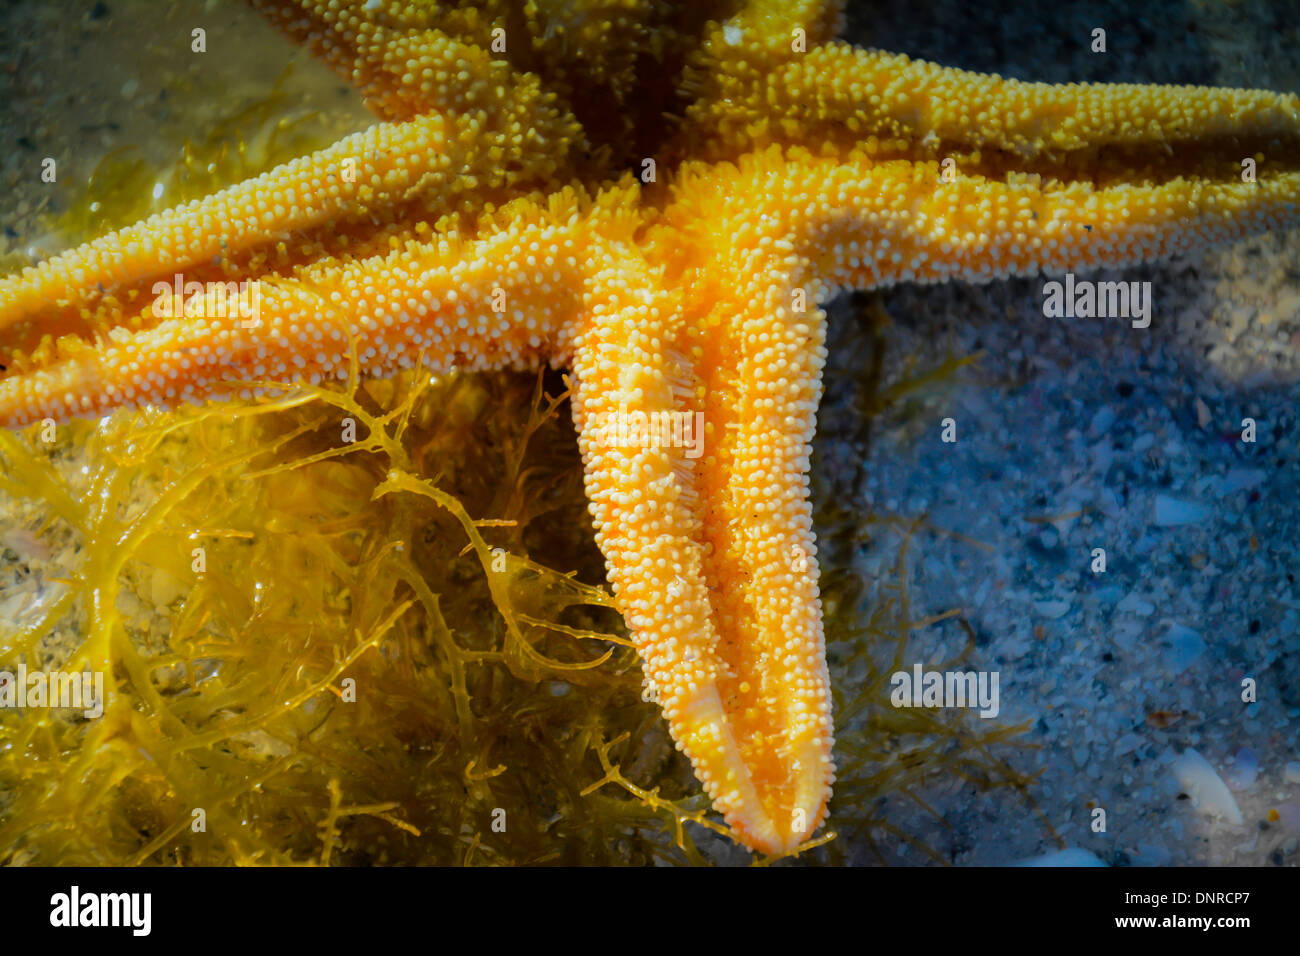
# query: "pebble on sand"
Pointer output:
{"type": "Point", "coordinates": [1241, 479]}
{"type": "Point", "coordinates": [1245, 768]}
{"type": "Point", "coordinates": [1185, 648]}
{"type": "Point", "coordinates": [1175, 511]}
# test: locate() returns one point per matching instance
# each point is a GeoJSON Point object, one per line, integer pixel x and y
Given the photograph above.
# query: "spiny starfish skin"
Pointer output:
{"type": "Point", "coordinates": [790, 176]}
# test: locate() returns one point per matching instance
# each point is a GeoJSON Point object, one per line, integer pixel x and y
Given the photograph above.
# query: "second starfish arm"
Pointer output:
{"type": "Point", "coordinates": [443, 163]}
{"type": "Point", "coordinates": [411, 58]}
{"type": "Point", "coordinates": [863, 223]}
{"type": "Point", "coordinates": [711, 555]}
{"type": "Point", "coordinates": [843, 95]}
{"type": "Point", "coordinates": [504, 297]}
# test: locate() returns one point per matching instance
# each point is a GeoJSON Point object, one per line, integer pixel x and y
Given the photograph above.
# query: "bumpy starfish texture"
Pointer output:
{"type": "Point", "coordinates": [488, 226]}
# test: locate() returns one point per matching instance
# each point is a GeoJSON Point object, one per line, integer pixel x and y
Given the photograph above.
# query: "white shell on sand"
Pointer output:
{"type": "Point", "coordinates": [1200, 781]}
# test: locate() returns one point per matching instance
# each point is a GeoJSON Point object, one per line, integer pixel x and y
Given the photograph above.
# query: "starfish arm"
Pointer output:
{"type": "Point", "coordinates": [504, 299]}
{"type": "Point", "coordinates": [862, 223]}
{"type": "Point", "coordinates": [841, 95]}
{"type": "Point", "coordinates": [644, 508]}
{"type": "Point", "coordinates": [404, 65]}
{"type": "Point", "coordinates": [759, 347]}
{"type": "Point", "coordinates": [761, 38]}
{"type": "Point", "coordinates": [711, 551]}
{"type": "Point", "coordinates": [925, 103]}
{"type": "Point", "coordinates": [773, 31]}
{"type": "Point", "coordinates": [448, 162]}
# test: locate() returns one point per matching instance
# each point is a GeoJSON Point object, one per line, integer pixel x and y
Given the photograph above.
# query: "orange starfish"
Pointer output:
{"type": "Point", "coordinates": [482, 224]}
